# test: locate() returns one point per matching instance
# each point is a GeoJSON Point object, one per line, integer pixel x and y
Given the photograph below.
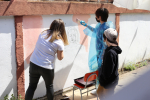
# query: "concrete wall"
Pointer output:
{"type": "Point", "coordinates": [75, 62]}
{"type": "Point", "coordinates": [134, 37]}
{"type": "Point", "coordinates": [8, 81]}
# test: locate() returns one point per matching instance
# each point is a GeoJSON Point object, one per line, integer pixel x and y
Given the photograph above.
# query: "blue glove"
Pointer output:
{"type": "Point", "coordinates": [83, 23]}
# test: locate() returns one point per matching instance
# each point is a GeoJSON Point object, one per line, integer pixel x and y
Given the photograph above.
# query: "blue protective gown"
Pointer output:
{"type": "Point", "coordinates": [97, 44]}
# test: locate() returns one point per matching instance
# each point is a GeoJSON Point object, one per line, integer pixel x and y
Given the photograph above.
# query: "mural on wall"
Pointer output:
{"type": "Point", "coordinates": [76, 50]}
{"type": "Point", "coordinates": [31, 29]}
{"type": "Point", "coordinates": [76, 53]}
{"type": "Point", "coordinates": [72, 35]}
{"type": "Point", "coordinates": [83, 37]}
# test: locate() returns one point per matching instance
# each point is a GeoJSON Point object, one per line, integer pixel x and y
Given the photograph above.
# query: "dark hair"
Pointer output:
{"type": "Point", "coordinates": [104, 36]}
{"type": "Point", "coordinates": [103, 12]}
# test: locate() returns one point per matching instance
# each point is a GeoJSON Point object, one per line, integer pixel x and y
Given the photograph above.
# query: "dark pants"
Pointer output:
{"type": "Point", "coordinates": [35, 73]}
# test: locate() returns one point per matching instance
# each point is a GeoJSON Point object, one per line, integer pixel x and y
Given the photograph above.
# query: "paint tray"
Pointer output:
{"type": "Point", "coordinates": [80, 81]}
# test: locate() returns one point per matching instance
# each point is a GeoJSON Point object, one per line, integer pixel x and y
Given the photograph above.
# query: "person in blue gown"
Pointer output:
{"type": "Point", "coordinates": [97, 45]}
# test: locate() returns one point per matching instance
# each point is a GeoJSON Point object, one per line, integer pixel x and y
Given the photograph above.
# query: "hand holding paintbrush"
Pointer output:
{"type": "Point", "coordinates": [81, 22]}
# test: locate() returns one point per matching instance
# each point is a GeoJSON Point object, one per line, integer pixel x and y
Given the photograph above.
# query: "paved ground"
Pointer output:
{"type": "Point", "coordinates": [124, 80]}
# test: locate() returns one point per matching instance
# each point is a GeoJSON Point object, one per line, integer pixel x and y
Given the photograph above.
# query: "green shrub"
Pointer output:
{"type": "Point", "coordinates": [145, 63]}
{"type": "Point", "coordinates": [130, 66]}
{"type": "Point", "coordinates": [141, 64]}
{"type": "Point", "coordinates": [6, 97]}
{"type": "Point", "coordinates": [137, 65]}
{"type": "Point", "coordinates": [13, 97]}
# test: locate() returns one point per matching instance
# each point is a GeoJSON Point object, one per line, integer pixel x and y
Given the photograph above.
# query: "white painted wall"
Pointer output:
{"type": "Point", "coordinates": [75, 62]}
{"type": "Point", "coordinates": [134, 37]}
{"type": "Point", "coordinates": [8, 81]}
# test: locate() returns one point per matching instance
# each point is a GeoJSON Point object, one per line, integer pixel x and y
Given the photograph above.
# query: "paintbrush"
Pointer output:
{"type": "Point", "coordinates": [78, 20]}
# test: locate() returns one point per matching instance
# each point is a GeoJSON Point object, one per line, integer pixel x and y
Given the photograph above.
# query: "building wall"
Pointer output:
{"type": "Point", "coordinates": [8, 81]}
{"type": "Point", "coordinates": [134, 38]}
{"type": "Point", "coordinates": [75, 62]}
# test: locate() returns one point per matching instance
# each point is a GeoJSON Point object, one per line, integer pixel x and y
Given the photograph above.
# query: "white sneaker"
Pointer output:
{"type": "Point", "coordinates": [93, 92]}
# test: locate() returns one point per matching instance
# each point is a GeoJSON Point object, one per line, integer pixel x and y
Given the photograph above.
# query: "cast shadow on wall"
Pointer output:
{"type": "Point", "coordinates": [131, 44]}
{"type": "Point", "coordinates": [12, 85]}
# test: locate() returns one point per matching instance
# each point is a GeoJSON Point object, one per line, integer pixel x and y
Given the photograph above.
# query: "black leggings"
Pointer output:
{"type": "Point", "coordinates": [35, 73]}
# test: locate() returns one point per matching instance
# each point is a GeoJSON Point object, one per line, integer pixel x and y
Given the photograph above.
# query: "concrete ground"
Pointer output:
{"type": "Point", "coordinates": [124, 80]}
